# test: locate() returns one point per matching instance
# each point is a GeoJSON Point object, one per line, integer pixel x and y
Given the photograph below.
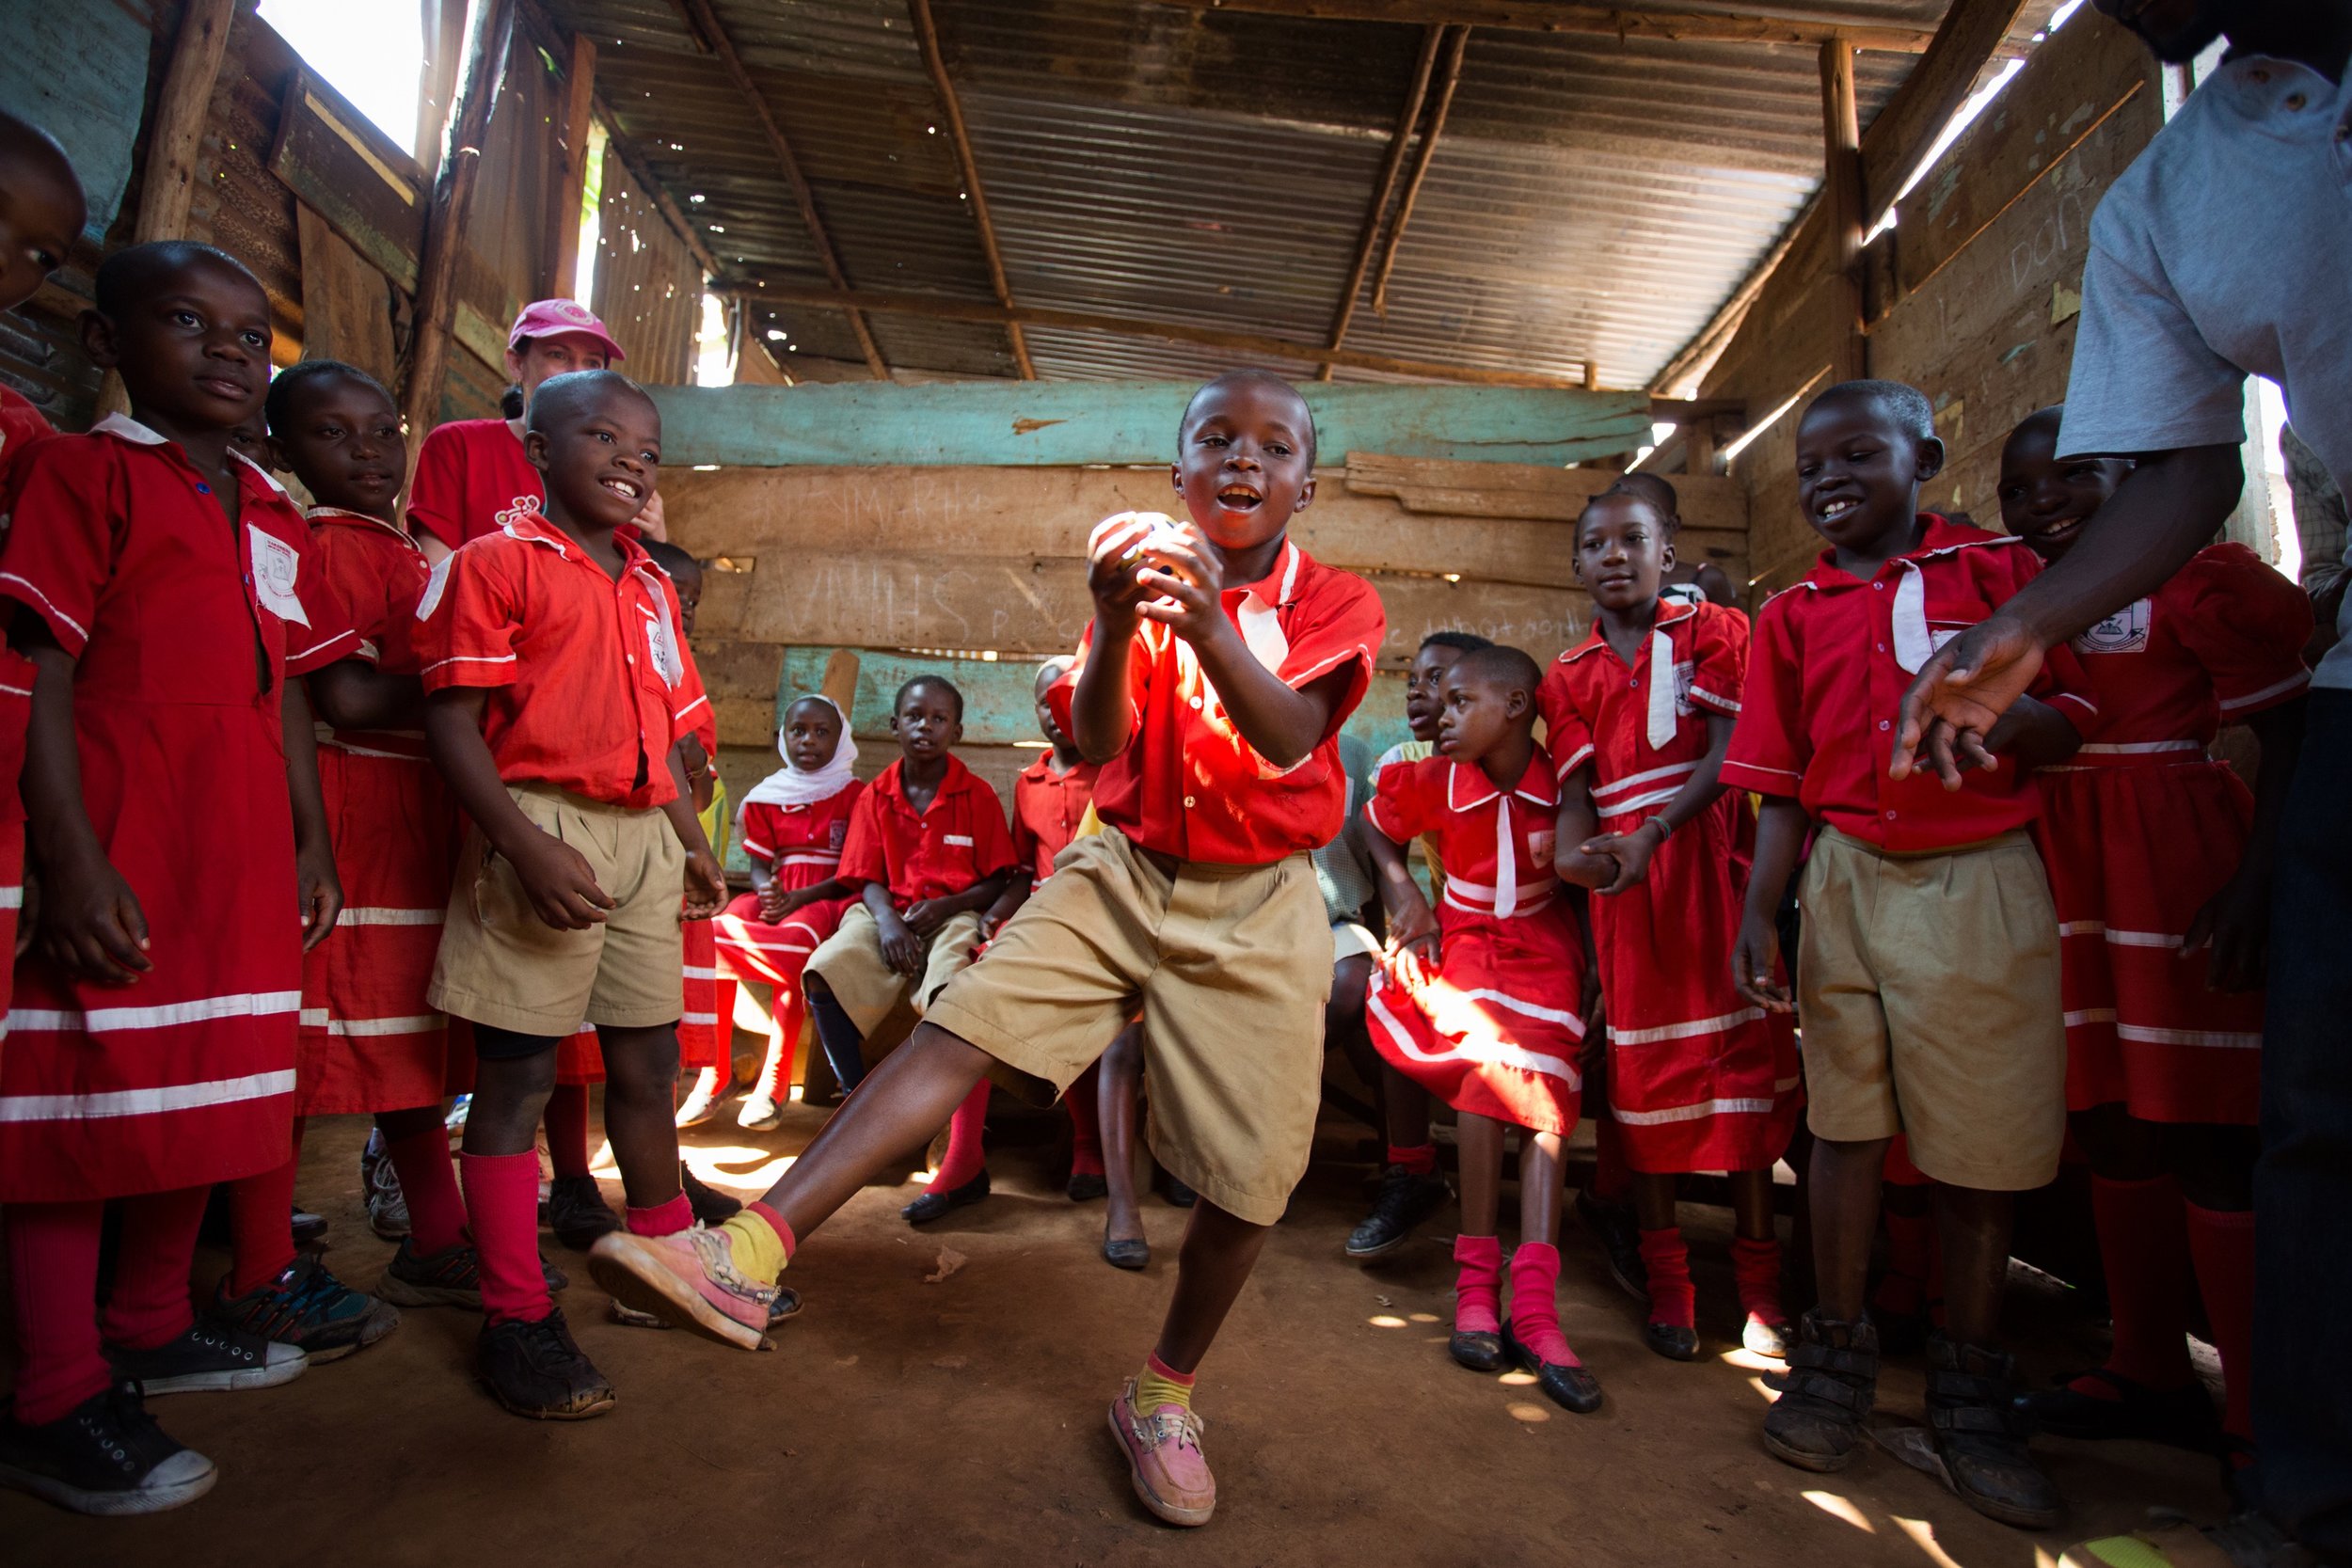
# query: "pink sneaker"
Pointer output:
{"type": "Point", "coordinates": [689, 1280]}
{"type": "Point", "coordinates": [1163, 1457]}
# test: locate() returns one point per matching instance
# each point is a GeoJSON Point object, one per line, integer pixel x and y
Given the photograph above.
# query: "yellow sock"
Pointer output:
{"type": "Point", "coordinates": [761, 1241]}
{"type": "Point", "coordinates": [1159, 1384]}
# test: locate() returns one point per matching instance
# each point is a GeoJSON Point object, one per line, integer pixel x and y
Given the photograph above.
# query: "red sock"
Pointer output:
{"type": "Point", "coordinates": [1535, 1303]}
{"type": "Point", "coordinates": [149, 1304]}
{"type": "Point", "coordinates": [790, 1011]}
{"type": "Point", "coordinates": [1756, 1269]}
{"type": "Point", "coordinates": [1673, 1299]}
{"type": "Point", "coordinates": [1416, 1159]}
{"type": "Point", "coordinates": [724, 1026]}
{"type": "Point", "coordinates": [774, 1222]}
{"type": "Point", "coordinates": [1903, 1290]}
{"type": "Point", "coordinates": [502, 1203]}
{"type": "Point", "coordinates": [1613, 1178]}
{"type": "Point", "coordinates": [967, 1151]}
{"type": "Point", "coordinates": [52, 1279]}
{"type": "Point", "coordinates": [261, 1223]}
{"type": "Point", "coordinates": [1085, 1124]}
{"type": "Point", "coordinates": [2143, 1242]}
{"type": "Point", "coordinates": [662, 1219]}
{"type": "Point", "coordinates": [428, 1180]}
{"type": "Point", "coordinates": [567, 1121]}
{"type": "Point", "coordinates": [1478, 1286]}
{"type": "Point", "coordinates": [2221, 1242]}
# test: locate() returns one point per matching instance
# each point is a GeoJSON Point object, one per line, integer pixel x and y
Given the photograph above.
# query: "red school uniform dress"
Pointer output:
{"type": "Point", "coordinates": [1047, 810]}
{"type": "Point", "coordinates": [1496, 1033]}
{"type": "Point", "coordinates": [2142, 827]}
{"type": "Point", "coordinates": [701, 1041]}
{"type": "Point", "coordinates": [370, 1041]}
{"type": "Point", "coordinates": [472, 478]}
{"type": "Point", "coordinates": [22, 428]}
{"type": "Point", "coordinates": [932, 854]}
{"type": "Point", "coordinates": [800, 844]}
{"type": "Point", "coordinates": [1699, 1079]}
{"type": "Point", "coordinates": [185, 629]}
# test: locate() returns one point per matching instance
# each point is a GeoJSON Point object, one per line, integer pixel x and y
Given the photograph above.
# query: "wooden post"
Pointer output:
{"type": "Point", "coordinates": [1841, 140]}
{"type": "Point", "coordinates": [1450, 79]}
{"type": "Point", "coordinates": [951, 108]}
{"type": "Point", "coordinates": [169, 185]}
{"type": "Point", "coordinates": [1367, 236]}
{"type": "Point", "coordinates": [444, 50]}
{"type": "Point", "coordinates": [1698, 445]}
{"type": "Point", "coordinates": [445, 225]}
{"type": "Point", "coordinates": [580, 98]}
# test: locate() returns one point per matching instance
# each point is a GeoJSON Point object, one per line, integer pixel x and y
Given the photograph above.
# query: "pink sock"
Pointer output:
{"type": "Point", "coordinates": [2144, 1243]}
{"type": "Point", "coordinates": [1416, 1159]}
{"type": "Point", "coordinates": [502, 1203]}
{"type": "Point", "coordinates": [1478, 1285]}
{"type": "Point", "coordinates": [2222, 1244]}
{"type": "Point", "coordinates": [428, 1181]}
{"type": "Point", "coordinates": [968, 1151]}
{"type": "Point", "coordinates": [567, 1119]}
{"type": "Point", "coordinates": [1085, 1124]}
{"type": "Point", "coordinates": [1673, 1299]}
{"type": "Point", "coordinates": [52, 1279]}
{"type": "Point", "coordinates": [149, 1304]}
{"type": "Point", "coordinates": [663, 1219]}
{"type": "Point", "coordinates": [1756, 1270]}
{"type": "Point", "coordinates": [1535, 1303]}
{"type": "Point", "coordinates": [261, 1222]}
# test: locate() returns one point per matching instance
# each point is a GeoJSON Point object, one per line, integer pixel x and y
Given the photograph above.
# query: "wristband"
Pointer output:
{"type": "Point", "coordinates": [1665, 829]}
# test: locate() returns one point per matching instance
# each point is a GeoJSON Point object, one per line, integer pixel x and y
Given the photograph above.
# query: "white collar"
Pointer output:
{"type": "Point", "coordinates": [124, 428]}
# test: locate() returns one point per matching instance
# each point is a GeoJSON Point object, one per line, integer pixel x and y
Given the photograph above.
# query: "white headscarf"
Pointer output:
{"type": "Point", "coordinates": [790, 786]}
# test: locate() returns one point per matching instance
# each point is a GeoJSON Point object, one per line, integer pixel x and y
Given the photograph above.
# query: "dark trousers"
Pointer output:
{"type": "Point", "coordinates": [2303, 1386]}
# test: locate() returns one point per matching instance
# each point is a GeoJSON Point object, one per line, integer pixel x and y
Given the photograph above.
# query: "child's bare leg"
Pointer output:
{"type": "Point", "coordinates": [1534, 1338]}
{"type": "Point", "coordinates": [1540, 1187]}
{"type": "Point", "coordinates": [1653, 1199]}
{"type": "Point", "coordinates": [641, 1067]}
{"type": "Point", "coordinates": [1973, 1227]}
{"type": "Point", "coordinates": [509, 1098]}
{"type": "Point", "coordinates": [1845, 1203]}
{"type": "Point", "coordinates": [1219, 1250]}
{"type": "Point", "coordinates": [1751, 1204]}
{"type": "Point", "coordinates": [1115, 1098]}
{"type": "Point", "coordinates": [1406, 1104]}
{"type": "Point", "coordinates": [1479, 1141]}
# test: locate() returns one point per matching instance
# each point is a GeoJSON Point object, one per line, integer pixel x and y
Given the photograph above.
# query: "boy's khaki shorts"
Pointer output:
{"type": "Point", "coordinates": [1930, 1006]}
{"type": "Point", "coordinates": [1232, 966]}
{"type": "Point", "coordinates": [850, 964]}
{"type": "Point", "coordinates": [501, 965]}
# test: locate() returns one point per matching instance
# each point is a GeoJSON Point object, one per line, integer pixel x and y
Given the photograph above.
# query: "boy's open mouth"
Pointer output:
{"type": "Point", "coordinates": [620, 486]}
{"type": "Point", "coordinates": [1830, 511]}
{"type": "Point", "coordinates": [1240, 498]}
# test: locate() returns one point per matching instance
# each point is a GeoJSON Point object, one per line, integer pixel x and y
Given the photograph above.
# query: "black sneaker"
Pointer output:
{"type": "Point", "coordinates": [1969, 1395]}
{"type": "Point", "coordinates": [1405, 1199]}
{"type": "Point", "coordinates": [1613, 1226]}
{"type": "Point", "coordinates": [1831, 1384]}
{"type": "Point", "coordinates": [935, 1204]}
{"type": "Point", "coordinates": [309, 1308]}
{"type": "Point", "coordinates": [387, 1206]}
{"type": "Point", "coordinates": [210, 1358]}
{"type": "Point", "coordinates": [106, 1457]}
{"type": "Point", "coordinates": [1087, 1186]}
{"type": "Point", "coordinates": [576, 1211]}
{"type": "Point", "coordinates": [308, 1227]}
{"type": "Point", "coordinates": [710, 1206]}
{"type": "Point", "coordinates": [535, 1370]}
{"type": "Point", "coordinates": [450, 1277]}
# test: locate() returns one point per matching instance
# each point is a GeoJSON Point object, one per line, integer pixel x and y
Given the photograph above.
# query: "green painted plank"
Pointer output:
{"type": "Point", "coordinates": [1045, 423]}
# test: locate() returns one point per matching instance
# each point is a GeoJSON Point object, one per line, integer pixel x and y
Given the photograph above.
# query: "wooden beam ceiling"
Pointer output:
{"type": "Point", "coordinates": [1449, 79]}
{"type": "Point", "coordinates": [1367, 236]}
{"type": "Point", "coordinates": [951, 108]}
{"type": "Point", "coordinates": [1771, 24]}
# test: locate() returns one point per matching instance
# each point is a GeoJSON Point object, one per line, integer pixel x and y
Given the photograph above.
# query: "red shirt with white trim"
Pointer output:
{"type": "Point", "coordinates": [936, 853]}
{"type": "Point", "coordinates": [1831, 658]}
{"type": "Point", "coordinates": [590, 683]}
{"type": "Point", "coordinates": [1188, 784]}
{"type": "Point", "coordinates": [473, 480]}
{"type": "Point", "coordinates": [1048, 808]}
{"type": "Point", "coordinates": [802, 845]}
{"type": "Point", "coordinates": [1474, 821]}
{"type": "Point", "coordinates": [377, 573]}
{"type": "Point", "coordinates": [2221, 641]}
{"type": "Point", "coordinates": [1641, 728]}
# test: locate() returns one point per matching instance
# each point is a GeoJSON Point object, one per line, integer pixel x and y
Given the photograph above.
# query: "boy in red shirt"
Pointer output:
{"type": "Point", "coordinates": [927, 850]}
{"type": "Point", "coordinates": [1929, 970]}
{"type": "Point", "coordinates": [2160, 864]}
{"type": "Point", "coordinates": [559, 686]}
{"type": "Point", "coordinates": [174, 805]}
{"type": "Point", "coordinates": [1213, 680]}
{"type": "Point", "coordinates": [1641, 714]}
{"type": "Point", "coordinates": [1478, 1004]}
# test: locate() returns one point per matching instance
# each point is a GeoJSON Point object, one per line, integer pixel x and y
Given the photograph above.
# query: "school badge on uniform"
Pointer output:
{"type": "Point", "coordinates": [2123, 632]}
{"type": "Point", "coordinates": [277, 566]}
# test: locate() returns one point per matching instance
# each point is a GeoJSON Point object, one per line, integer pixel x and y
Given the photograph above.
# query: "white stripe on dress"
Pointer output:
{"type": "Point", "coordinates": [378, 915]}
{"type": "Point", "coordinates": [1683, 1031]}
{"type": "Point", "coordinates": [367, 1028]}
{"type": "Point", "coordinates": [1670, 771]}
{"type": "Point", "coordinates": [1493, 1052]}
{"type": "Point", "coordinates": [144, 1102]}
{"type": "Point", "coordinates": [97, 1020]}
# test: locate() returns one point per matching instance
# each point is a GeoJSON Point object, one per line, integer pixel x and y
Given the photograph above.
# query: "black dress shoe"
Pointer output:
{"type": "Point", "coordinates": [1177, 1193]}
{"type": "Point", "coordinates": [1571, 1388]}
{"type": "Point", "coordinates": [1406, 1198]}
{"type": "Point", "coordinates": [308, 1227]}
{"type": "Point", "coordinates": [710, 1206]}
{"type": "Point", "coordinates": [1672, 1340]}
{"type": "Point", "coordinates": [1478, 1350]}
{"type": "Point", "coordinates": [2182, 1418]}
{"type": "Point", "coordinates": [1086, 1186]}
{"type": "Point", "coordinates": [1127, 1252]}
{"type": "Point", "coordinates": [933, 1204]}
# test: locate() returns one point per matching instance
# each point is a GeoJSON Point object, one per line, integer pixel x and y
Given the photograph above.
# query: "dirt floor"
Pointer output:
{"type": "Point", "coordinates": [963, 1421]}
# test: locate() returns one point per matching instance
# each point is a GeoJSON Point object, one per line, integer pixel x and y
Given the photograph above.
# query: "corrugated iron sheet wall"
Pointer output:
{"type": "Point", "coordinates": [648, 285]}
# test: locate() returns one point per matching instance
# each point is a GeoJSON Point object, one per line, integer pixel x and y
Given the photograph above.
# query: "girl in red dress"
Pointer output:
{"type": "Point", "coordinates": [792, 826]}
{"type": "Point", "coordinates": [1641, 713]}
{"type": "Point", "coordinates": [1477, 1003]}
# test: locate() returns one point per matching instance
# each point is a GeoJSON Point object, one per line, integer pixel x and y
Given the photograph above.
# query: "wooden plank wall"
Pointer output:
{"type": "Point", "coordinates": [648, 287]}
{"type": "Point", "coordinates": [1972, 296]}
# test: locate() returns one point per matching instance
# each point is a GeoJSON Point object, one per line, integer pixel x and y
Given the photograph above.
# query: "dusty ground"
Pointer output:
{"type": "Point", "coordinates": [962, 1422]}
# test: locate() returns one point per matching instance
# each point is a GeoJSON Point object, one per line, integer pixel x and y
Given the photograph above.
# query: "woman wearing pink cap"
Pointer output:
{"type": "Point", "coordinates": [471, 473]}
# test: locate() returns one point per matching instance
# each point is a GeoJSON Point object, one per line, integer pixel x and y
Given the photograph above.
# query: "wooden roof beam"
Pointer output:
{"type": "Point", "coordinates": [1368, 237]}
{"type": "Point", "coordinates": [1438, 111]}
{"type": "Point", "coordinates": [941, 308]}
{"type": "Point", "coordinates": [1766, 25]}
{"type": "Point", "coordinates": [951, 108]}
{"type": "Point", "coordinates": [706, 27]}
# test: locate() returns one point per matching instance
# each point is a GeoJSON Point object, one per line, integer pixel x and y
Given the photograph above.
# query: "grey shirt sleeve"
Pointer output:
{"type": "Point", "coordinates": [2144, 379]}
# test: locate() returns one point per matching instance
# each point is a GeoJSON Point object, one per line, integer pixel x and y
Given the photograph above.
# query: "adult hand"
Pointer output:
{"type": "Point", "coordinates": [1962, 689]}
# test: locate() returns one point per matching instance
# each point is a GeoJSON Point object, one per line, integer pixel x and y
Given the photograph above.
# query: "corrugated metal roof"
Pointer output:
{"type": "Point", "coordinates": [1590, 198]}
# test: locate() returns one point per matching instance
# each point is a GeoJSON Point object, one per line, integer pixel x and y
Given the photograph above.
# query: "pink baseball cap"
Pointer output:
{"type": "Point", "coordinates": [549, 318]}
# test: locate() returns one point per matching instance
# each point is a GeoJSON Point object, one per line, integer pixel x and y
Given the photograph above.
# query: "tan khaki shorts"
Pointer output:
{"type": "Point", "coordinates": [501, 965]}
{"type": "Point", "coordinates": [1930, 1006]}
{"type": "Point", "coordinates": [850, 964]}
{"type": "Point", "coordinates": [1231, 964]}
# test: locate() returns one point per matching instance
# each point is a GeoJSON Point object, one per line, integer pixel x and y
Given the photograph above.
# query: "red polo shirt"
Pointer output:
{"type": "Point", "coordinates": [472, 478]}
{"type": "Point", "coordinates": [1826, 674]}
{"type": "Point", "coordinates": [1187, 784]}
{"type": "Point", "coordinates": [590, 683]}
{"type": "Point", "coordinates": [936, 853]}
{"type": "Point", "coordinates": [377, 575]}
{"type": "Point", "coordinates": [1048, 808]}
